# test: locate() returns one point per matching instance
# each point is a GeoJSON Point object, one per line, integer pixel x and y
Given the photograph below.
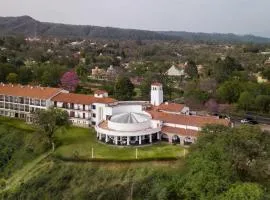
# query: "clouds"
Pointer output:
{"type": "Point", "coordinates": [238, 16]}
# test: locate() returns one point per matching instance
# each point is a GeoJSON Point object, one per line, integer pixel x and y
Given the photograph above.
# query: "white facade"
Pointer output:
{"type": "Point", "coordinates": [156, 94]}
{"type": "Point", "coordinates": [176, 71]}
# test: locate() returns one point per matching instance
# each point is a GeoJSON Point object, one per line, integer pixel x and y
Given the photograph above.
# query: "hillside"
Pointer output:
{"type": "Point", "coordinates": [30, 27]}
{"type": "Point", "coordinates": [212, 170]}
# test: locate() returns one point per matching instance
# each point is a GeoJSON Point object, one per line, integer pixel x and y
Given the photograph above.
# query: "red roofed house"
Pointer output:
{"type": "Point", "coordinates": [21, 101]}
{"type": "Point", "coordinates": [84, 110]}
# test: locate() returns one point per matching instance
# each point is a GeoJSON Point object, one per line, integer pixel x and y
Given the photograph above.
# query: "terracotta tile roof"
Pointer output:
{"type": "Point", "coordinates": [192, 120]}
{"type": "Point", "coordinates": [179, 131]}
{"type": "Point", "coordinates": [171, 107]}
{"type": "Point", "coordinates": [100, 92]}
{"type": "Point", "coordinates": [156, 84]}
{"type": "Point", "coordinates": [29, 91]}
{"type": "Point", "coordinates": [81, 99]}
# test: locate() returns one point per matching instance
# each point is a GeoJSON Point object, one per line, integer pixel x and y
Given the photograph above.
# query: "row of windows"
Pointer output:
{"type": "Point", "coordinates": [72, 114]}
{"type": "Point", "coordinates": [71, 106]}
{"type": "Point", "coordinates": [83, 122]}
{"type": "Point", "coordinates": [21, 100]}
{"type": "Point", "coordinates": [11, 106]}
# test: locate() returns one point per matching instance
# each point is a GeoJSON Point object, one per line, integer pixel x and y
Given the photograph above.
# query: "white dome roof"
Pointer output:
{"type": "Point", "coordinates": [130, 118]}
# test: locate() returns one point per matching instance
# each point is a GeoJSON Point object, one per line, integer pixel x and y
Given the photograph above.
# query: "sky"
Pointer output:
{"type": "Point", "coordinates": [219, 16]}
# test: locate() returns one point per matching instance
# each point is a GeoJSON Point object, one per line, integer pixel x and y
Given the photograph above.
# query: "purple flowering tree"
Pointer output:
{"type": "Point", "coordinates": [69, 81]}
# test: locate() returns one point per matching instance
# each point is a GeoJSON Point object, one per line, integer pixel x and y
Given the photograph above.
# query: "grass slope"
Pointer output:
{"type": "Point", "coordinates": [35, 174]}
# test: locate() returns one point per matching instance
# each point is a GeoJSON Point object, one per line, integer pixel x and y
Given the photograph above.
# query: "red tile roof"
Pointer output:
{"type": "Point", "coordinates": [81, 99]}
{"type": "Point", "coordinates": [100, 92]}
{"type": "Point", "coordinates": [179, 131]}
{"type": "Point", "coordinates": [171, 107]}
{"type": "Point", "coordinates": [28, 91]}
{"type": "Point", "coordinates": [191, 120]}
{"type": "Point", "coordinates": [156, 84]}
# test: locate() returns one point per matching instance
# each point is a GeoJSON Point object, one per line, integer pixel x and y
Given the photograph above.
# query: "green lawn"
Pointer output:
{"type": "Point", "coordinates": [74, 142]}
{"type": "Point", "coordinates": [16, 123]}
{"type": "Point", "coordinates": [78, 143]}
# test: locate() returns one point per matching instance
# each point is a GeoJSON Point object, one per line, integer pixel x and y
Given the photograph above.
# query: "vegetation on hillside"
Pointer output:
{"type": "Point", "coordinates": [224, 164]}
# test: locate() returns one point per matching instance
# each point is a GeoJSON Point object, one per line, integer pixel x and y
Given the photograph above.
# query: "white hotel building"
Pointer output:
{"type": "Point", "coordinates": [116, 122]}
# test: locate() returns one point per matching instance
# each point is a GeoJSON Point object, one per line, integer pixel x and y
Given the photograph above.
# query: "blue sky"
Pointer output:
{"type": "Point", "coordinates": [224, 16]}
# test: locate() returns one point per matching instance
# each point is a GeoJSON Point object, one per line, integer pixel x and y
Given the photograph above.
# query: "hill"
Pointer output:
{"type": "Point", "coordinates": [31, 27]}
{"type": "Point", "coordinates": [217, 37]}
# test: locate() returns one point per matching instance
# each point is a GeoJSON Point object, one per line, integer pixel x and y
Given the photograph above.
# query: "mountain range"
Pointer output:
{"type": "Point", "coordinates": [30, 27]}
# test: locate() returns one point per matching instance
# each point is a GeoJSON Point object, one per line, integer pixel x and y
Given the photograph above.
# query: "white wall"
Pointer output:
{"type": "Point", "coordinates": [129, 127]}
{"type": "Point", "coordinates": [126, 108]}
{"type": "Point", "coordinates": [182, 126]}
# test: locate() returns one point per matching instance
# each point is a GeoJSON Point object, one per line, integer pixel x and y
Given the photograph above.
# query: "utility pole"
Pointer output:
{"type": "Point", "coordinates": [136, 153]}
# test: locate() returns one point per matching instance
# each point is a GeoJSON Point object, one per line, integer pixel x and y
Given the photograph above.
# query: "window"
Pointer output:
{"type": "Point", "coordinates": [1, 97]}
{"type": "Point", "coordinates": [27, 108]}
{"type": "Point", "coordinates": [93, 107]}
{"type": "Point", "coordinates": [94, 115]}
{"type": "Point", "coordinates": [26, 100]}
{"type": "Point", "coordinates": [93, 123]}
{"type": "Point", "coordinates": [21, 100]}
{"type": "Point", "coordinates": [37, 102]}
{"type": "Point", "coordinates": [43, 103]}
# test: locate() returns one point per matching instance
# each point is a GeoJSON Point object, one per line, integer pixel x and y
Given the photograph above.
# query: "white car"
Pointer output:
{"type": "Point", "coordinates": [244, 121]}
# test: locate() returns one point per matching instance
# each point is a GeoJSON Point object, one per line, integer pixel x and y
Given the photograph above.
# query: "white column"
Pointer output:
{"type": "Point", "coordinates": [182, 140]}
{"type": "Point", "coordinates": [120, 139]}
{"type": "Point", "coordinates": [140, 139]}
{"type": "Point", "coordinates": [158, 135]}
{"type": "Point", "coordinates": [115, 140]}
{"type": "Point", "coordinates": [97, 134]}
{"type": "Point", "coordinates": [128, 138]}
{"type": "Point", "coordinates": [150, 138]}
{"type": "Point", "coordinates": [106, 138]}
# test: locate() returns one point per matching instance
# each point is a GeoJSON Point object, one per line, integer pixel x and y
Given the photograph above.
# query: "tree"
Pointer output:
{"type": "Point", "coordinates": [229, 91]}
{"type": "Point", "coordinates": [123, 89]}
{"type": "Point", "coordinates": [262, 103]}
{"type": "Point", "coordinates": [5, 69]}
{"type": "Point", "coordinates": [247, 191]}
{"type": "Point", "coordinates": [223, 69]}
{"type": "Point", "coordinates": [49, 120]}
{"type": "Point", "coordinates": [49, 75]}
{"type": "Point", "coordinates": [25, 75]}
{"type": "Point", "coordinates": [266, 73]}
{"type": "Point", "coordinates": [82, 71]}
{"type": "Point", "coordinates": [12, 78]}
{"type": "Point", "coordinates": [69, 81]}
{"type": "Point", "coordinates": [191, 70]}
{"type": "Point", "coordinates": [212, 106]}
{"type": "Point", "coordinates": [223, 157]}
{"type": "Point", "coordinates": [246, 100]}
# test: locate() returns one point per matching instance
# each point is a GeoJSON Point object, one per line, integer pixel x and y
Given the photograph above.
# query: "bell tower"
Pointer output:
{"type": "Point", "coordinates": [156, 94]}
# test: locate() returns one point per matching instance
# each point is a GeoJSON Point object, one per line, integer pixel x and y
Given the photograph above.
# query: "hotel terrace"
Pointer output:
{"type": "Point", "coordinates": [115, 122]}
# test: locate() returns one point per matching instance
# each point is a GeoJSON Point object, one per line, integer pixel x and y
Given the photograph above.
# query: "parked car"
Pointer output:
{"type": "Point", "coordinates": [244, 121]}
{"type": "Point", "coordinates": [248, 121]}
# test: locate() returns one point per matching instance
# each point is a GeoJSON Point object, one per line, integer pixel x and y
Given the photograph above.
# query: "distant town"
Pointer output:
{"type": "Point", "coordinates": [131, 117]}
